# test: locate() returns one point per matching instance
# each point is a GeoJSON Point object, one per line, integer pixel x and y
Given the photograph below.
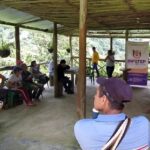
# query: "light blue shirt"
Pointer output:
{"type": "Point", "coordinates": [92, 134]}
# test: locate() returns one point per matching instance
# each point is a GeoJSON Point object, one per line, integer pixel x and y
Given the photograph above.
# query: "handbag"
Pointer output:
{"type": "Point", "coordinates": [118, 135]}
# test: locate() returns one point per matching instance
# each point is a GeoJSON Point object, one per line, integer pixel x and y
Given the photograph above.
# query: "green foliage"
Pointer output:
{"type": "Point", "coordinates": [7, 35]}
{"type": "Point", "coordinates": [4, 45]}
{"type": "Point", "coordinates": [34, 46]}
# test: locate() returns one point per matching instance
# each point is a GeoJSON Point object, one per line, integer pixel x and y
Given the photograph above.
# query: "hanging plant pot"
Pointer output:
{"type": "Point", "coordinates": [68, 50]}
{"type": "Point", "coordinates": [4, 53]}
{"type": "Point", "coordinates": [50, 50]}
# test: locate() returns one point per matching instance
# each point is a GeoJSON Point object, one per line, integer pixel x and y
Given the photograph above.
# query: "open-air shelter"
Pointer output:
{"type": "Point", "coordinates": [96, 18]}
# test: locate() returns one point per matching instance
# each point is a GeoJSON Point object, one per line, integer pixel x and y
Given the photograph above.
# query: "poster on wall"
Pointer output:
{"type": "Point", "coordinates": [137, 62]}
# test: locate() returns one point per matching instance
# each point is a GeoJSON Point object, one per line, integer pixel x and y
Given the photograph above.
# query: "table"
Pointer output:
{"type": "Point", "coordinates": [73, 72]}
{"type": "Point", "coordinates": [125, 73]}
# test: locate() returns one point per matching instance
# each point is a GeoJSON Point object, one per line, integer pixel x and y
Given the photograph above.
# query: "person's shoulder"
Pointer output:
{"type": "Point", "coordinates": [140, 125]}
{"type": "Point", "coordinates": [141, 120]}
{"type": "Point", "coordinates": [67, 67]}
{"type": "Point", "coordinates": [51, 62]}
{"type": "Point", "coordinates": [82, 123]}
{"type": "Point", "coordinates": [12, 76]}
{"type": "Point", "coordinates": [59, 66]}
{"type": "Point", "coordinates": [82, 127]}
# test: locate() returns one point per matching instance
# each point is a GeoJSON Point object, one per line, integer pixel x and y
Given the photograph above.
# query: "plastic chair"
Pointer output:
{"type": "Point", "coordinates": [90, 73]}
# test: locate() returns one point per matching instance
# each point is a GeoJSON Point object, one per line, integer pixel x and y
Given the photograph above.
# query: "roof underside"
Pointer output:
{"type": "Point", "coordinates": [104, 16]}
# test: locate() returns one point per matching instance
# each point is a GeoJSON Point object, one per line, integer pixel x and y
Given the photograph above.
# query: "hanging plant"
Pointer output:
{"type": "Point", "coordinates": [68, 50]}
{"type": "Point", "coordinates": [50, 50]}
{"type": "Point", "coordinates": [5, 49]}
{"type": "Point", "coordinates": [4, 53]}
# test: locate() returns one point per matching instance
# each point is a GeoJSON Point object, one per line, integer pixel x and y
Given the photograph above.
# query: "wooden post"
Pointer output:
{"type": "Point", "coordinates": [17, 40]}
{"type": "Point", "coordinates": [56, 89]}
{"type": "Point", "coordinates": [111, 43]}
{"type": "Point", "coordinates": [70, 44]}
{"type": "Point", "coordinates": [126, 39]}
{"type": "Point", "coordinates": [81, 83]}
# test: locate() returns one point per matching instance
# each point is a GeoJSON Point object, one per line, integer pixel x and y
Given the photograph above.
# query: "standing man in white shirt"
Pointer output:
{"type": "Point", "coordinates": [51, 72]}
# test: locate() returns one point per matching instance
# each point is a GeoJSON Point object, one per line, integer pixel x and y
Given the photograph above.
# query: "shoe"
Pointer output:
{"type": "Point", "coordinates": [37, 100]}
{"type": "Point", "coordinates": [30, 104]}
{"type": "Point", "coordinates": [66, 90]}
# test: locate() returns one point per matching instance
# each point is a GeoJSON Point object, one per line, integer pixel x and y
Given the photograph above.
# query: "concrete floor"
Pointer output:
{"type": "Point", "coordinates": [49, 125]}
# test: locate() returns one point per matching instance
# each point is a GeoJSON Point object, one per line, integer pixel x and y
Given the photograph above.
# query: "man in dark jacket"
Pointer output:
{"type": "Point", "coordinates": [62, 67]}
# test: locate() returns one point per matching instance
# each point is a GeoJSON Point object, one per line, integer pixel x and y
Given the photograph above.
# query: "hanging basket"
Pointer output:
{"type": "Point", "coordinates": [68, 50]}
{"type": "Point", "coordinates": [50, 50]}
{"type": "Point", "coordinates": [4, 53]}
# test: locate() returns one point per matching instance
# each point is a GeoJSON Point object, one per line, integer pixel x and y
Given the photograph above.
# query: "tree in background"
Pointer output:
{"type": "Point", "coordinates": [34, 46]}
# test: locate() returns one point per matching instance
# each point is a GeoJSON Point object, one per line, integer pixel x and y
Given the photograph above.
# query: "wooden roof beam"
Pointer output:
{"type": "Point", "coordinates": [130, 6]}
{"type": "Point", "coordinates": [89, 17]}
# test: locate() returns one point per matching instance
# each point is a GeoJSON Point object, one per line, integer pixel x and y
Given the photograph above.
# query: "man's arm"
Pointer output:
{"type": "Point", "coordinates": [67, 67]}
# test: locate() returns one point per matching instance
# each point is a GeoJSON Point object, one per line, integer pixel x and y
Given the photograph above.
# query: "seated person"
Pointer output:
{"type": "Point", "coordinates": [2, 80]}
{"type": "Point", "coordinates": [10, 98]}
{"type": "Point", "coordinates": [1, 104]}
{"type": "Point", "coordinates": [35, 70]}
{"type": "Point", "coordinates": [94, 134]}
{"type": "Point", "coordinates": [15, 83]}
{"type": "Point", "coordinates": [19, 63]}
{"type": "Point", "coordinates": [62, 67]}
{"type": "Point", "coordinates": [6, 95]}
{"type": "Point", "coordinates": [34, 88]}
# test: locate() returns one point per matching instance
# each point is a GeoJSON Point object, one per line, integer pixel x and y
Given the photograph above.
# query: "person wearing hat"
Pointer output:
{"type": "Point", "coordinates": [110, 128]}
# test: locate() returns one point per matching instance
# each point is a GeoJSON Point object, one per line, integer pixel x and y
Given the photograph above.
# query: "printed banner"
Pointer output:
{"type": "Point", "coordinates": [137, 62]}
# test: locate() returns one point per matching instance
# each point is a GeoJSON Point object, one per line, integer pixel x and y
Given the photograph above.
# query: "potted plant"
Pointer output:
{"type": "Point", "coordinates": [68, 50]}
{"type": "Point", "coordinates": [5, 49]}
{"type": "Point", "coordinates": [50, 48]}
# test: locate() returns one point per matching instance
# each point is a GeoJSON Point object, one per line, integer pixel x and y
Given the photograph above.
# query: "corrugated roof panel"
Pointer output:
{"type": "Point", "coordinates": [45, 24]}
{"type": "Point", "coordinates": [14, 16]}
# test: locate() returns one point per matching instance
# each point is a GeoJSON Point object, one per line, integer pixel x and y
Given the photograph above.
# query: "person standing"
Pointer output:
{"type": "Point", "coordinates": [109, 123]}
{"type": "Point", "coordinates": [110, 61]}
{"type": "Point", "coordinates": [51, 72]}
{"type": "Point", "coordinates": [95, 59]}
